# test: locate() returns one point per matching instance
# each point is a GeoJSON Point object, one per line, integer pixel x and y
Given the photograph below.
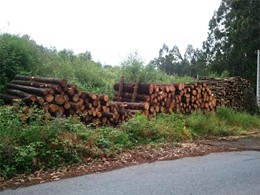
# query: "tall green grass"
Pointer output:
{"type": "Point", "coordinates": [223, 122]}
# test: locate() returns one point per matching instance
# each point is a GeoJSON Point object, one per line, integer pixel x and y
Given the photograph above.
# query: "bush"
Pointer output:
{"type": "Point", "coordinates": [133, 67]}
{"type": "Point", "coordinates": [42, 142]}
{"type": "Point", "coordinates": [140, 129]}
{"type": "Point", "coordinates": [204, 124]}
{"type": "Point", "coordinates": [18, 55]}
{"type": "Point", "coordinates": [239, 119]}
{"type": "Point", "coordinates": [172, 127]}
{"type": "Point", "coordinates": [39, 142]}
{"type": "Point", "coordinates": [86, 74]}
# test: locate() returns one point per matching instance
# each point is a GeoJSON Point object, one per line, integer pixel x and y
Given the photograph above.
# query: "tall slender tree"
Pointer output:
{"type": "Point", "coordinates": [192, 63]}
{"type": "Point", "coordinates": [234, 38]}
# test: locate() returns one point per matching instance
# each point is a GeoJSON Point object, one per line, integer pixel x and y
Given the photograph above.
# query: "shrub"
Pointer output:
{"type": "Point", "coordinates": [140, 129]}
{"type": "Point", "coordinates": [238, 119]}
{"type": "Point", "coordinates": [171, 127]}
{"type": "Point", "coordinates": [18, 54]}
{"type": "Point", "coordinates": [43, 142]}
{"type": "Point", "coordinates": [203, 124]}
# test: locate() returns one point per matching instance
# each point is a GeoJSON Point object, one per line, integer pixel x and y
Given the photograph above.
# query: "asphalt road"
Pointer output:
{"type": "Point", "coordinates": [220, 173]}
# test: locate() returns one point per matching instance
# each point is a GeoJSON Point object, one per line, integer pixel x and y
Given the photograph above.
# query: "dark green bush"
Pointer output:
{"type": "Point", "coordinates": [18, 54]}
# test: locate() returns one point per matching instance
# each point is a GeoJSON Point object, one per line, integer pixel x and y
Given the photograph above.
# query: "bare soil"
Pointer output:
{"type": "Point", "coordinates": [139, 155]}
{"type": "Point", "coordinates": [250, 141]}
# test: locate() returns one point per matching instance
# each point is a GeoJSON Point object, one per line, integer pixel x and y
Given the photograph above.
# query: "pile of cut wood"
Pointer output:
{"type": "Point", "coordinates": [151, 99]}
{"type": "Point", "coordinates": [234, 92]}
{"type": "Point", "coordinates": [63, 99]}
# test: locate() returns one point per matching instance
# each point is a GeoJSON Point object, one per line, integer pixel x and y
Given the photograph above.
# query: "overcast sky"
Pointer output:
{"type": "Point", "coordinates": [110, 29]}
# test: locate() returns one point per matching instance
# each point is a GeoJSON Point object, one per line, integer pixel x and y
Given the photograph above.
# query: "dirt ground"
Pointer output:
{"type": "Point", "coordinates": [244, 143]}
{"type": "Point", "coordinates": [144, 154]}
{"type": "Point", "coordinates": [250, 141]}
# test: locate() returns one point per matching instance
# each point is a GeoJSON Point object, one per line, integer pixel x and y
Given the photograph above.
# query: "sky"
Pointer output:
{"type": "Point", "coordinates": [110, 29]}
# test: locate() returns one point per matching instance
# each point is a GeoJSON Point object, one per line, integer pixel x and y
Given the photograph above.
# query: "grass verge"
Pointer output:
{"type": "Point", "coordinates": [43, 142]}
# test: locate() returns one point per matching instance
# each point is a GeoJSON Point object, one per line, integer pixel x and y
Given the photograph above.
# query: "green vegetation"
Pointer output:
{"type": "Point", "coordinates": [17, 55]}
{"type": "Point", "coordinates": [230, 48]}
{"type": "Point", "coordinates": [233, 31]}
{"type": "Point", "coordinates": [21, 55]}
{"type": "Point", "coordinates": [43, 142]}
{"type": "Point", "coordinates": [233, 39]}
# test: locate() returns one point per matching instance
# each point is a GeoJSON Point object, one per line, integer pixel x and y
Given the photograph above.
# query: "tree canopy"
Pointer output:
{"type": "Point", "coordinates": [17, 55]}
{"type": "Point", "coordinates": [234, 38]}
{"type": "Point", "coordinates": [230, 49]}
{"type": "Point", "coordinates": [192, 63]}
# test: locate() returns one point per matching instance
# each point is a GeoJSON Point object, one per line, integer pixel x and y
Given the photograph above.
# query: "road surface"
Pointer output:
{"type": "Point", "coordinates": [220, 173]}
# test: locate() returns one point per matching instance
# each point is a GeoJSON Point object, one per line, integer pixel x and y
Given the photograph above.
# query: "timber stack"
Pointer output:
{"type": "Point", "coordinates": [233, 92]}
{"type": "Point", "coordinates": [151, 98]}
{"type": "Point", "coordinates": [62, 99]}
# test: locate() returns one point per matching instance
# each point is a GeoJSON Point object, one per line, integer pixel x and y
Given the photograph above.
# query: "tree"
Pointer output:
{"type": "Point", "coordinates": [172, 62]}
{"type": "Point", "coordinates": [132, 67]}
{"type": "Point", "coordinates": [233, 38]}
{"type": "Point", "coordinates": [18, 54]}
{"type": "Point", "coordinates": [85, 56]}
{"type": "Point", "coordinates": [169, 61]}
{"type": "Point", "coordinates": [195, 62]}
{"type": "Point", "coordinates": [67, 54]}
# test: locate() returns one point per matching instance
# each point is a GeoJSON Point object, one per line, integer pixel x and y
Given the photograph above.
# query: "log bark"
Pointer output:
{"type": "Point", "coordinates": [31, 90]}
{"type": "Point", "coordinates": [142, 89]}
{"type": "Point", "coordinates": [87, 95]}
{"type": "Point", "coordinates": [37, 84]}
{"type": "Point", "coordinates": [132, 105]}
{"type": "Point", "coordinates": [108, 115]}
{"type": "Point", "coordinates": [9, 98]}
{"type": "Point", "coordinates": [20, 94]}
{"type": "Point", "coordinates": [140, 97]}
{"type": "Point", "coordinates": [168, 87]}
{"type": "Point", "coordinates": [120, 88]}
{"type": "Point", "coordinates": [61, 82]}
{"type": "Point", "coordinates": [135, 90]}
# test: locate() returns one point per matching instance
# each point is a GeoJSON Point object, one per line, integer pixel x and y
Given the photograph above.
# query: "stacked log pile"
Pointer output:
{"type": "Point", "coordinates": [234, 92]}
{"type": "Point", "coordinates": [63, 99]}
{"type": "Point", "coordinates": [151, 99]}
{"type": "Point", "coordinates": [195, 96]}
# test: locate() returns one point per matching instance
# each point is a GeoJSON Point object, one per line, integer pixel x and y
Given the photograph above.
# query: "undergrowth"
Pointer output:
{"type": "Point", "coordinates": [42, 142]}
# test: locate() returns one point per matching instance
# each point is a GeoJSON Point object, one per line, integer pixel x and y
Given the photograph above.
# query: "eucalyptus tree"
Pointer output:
{"type": "Point", "coordinates": [234, 38]}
